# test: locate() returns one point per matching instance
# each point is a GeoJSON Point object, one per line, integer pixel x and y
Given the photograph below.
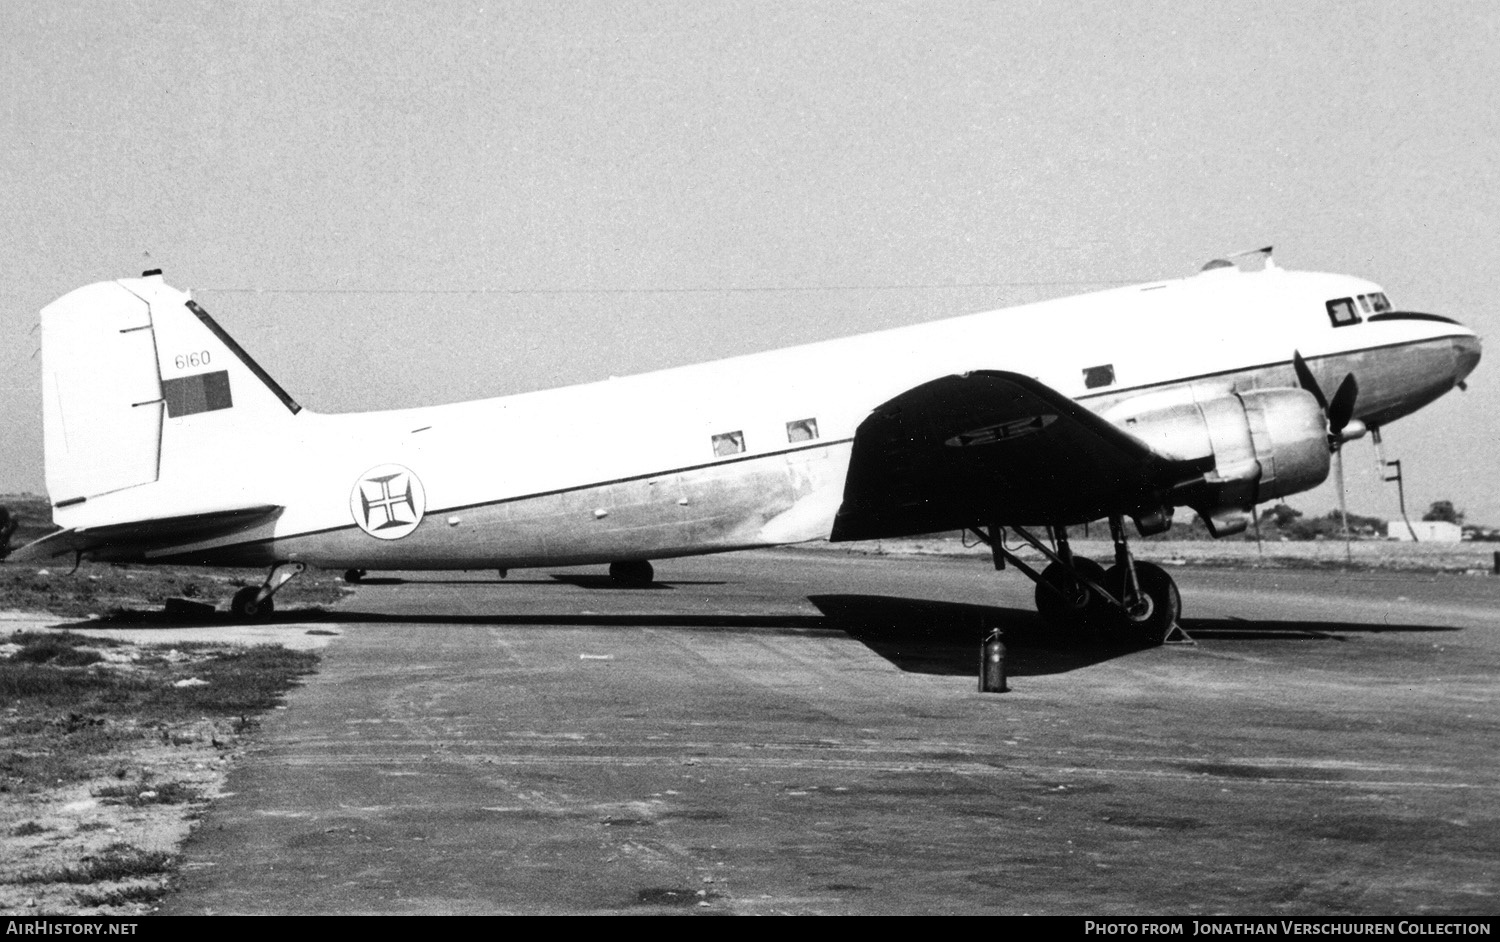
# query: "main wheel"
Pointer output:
{"type": "Point", "coordinates": [1149, 617]}
{"type": "Point", "coordinates": [1063, 601]}
{"type": "Point", "coordinates": [245, 607]}
{"type": "Point", "coordinates": [634, 573]}
{"type": "Point", "coordinates": [354, 575]}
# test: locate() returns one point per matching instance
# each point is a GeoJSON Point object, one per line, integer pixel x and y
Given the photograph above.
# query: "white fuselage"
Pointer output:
{"type": "Point", "coordinates": [630, 468]}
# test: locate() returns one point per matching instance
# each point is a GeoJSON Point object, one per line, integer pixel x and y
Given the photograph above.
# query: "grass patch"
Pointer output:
{"type": "Point", "coordinates": [63, 649]}
{"type": "Point", "coordinates": [168, 793]}
{"type": "Point", "coordinates": [43, 760]}
{"type": "Point", "coordinates": [246, 680]}
{"type": "Point", "coordinates": [133, 894]}
{"type": "Point", "coordinates": [116, 864]}
{"type": "Point", "coordinates": [80, 688]}
{"type": "Point", "coordinates": [27, 829]}
{"type": "Point", "coordinates": [65, 720]}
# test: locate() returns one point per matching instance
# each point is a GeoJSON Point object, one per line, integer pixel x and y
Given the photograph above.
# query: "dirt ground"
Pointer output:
{"type": "Point", "coordinates": [102, 836]}
{"type": "Point", "coordinates": [112, 742]}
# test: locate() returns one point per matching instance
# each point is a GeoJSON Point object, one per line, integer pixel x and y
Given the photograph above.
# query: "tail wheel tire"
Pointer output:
{"type": "Point", "coordinates": [1063, 601]}
{"type": "Point", "coordinates": [245, 607]}
{"type": "Point", "coordinates": [635, 573]}
{"type": "Point", "coordinates": [1154, 613]}
{"type": "Point", "coordinates": [354, 575]}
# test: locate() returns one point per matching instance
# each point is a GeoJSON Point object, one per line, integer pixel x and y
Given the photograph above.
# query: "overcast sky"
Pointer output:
{"type": "Point", "coordinates": [397, 204]}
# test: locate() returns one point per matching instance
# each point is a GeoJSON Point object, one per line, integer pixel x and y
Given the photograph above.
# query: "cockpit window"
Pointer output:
{"type": "Point", "coordinates": [1364, 303]}
{"type": "Point", "coordinates": [1342, 313]}
{"type": "Point", "coordinates": [1380, 303]}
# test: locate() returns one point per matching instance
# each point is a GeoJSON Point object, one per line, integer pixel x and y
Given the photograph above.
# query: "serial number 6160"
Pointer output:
{"type": "Point", "coordinates": [185, 360]}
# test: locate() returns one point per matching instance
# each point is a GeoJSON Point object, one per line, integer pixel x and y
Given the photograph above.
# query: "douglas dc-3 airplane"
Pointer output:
{"type": "Point", "coordinates": [165, 442]}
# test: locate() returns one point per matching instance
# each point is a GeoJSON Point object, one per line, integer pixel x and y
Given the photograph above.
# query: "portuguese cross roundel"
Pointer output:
{"type": "Point", "coordinates": [388, 502]}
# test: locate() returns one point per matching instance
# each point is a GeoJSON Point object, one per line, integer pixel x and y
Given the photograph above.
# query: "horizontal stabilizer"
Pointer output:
{"type": "Point", "coordinates": [134, 540]}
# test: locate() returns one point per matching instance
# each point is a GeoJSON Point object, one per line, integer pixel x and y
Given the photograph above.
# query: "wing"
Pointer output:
{"type": "Point", "coordinates": [135, 540]}
{"type": "Point", "coordinates": [991, 447]}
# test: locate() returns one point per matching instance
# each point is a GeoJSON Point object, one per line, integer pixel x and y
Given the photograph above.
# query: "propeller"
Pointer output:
{"type": "Point", "coordinates": [1342, 426]}
{"type": "Point", "coordinates": [1340, 411]}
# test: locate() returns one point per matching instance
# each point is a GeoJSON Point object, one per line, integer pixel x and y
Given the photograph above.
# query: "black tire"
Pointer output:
{"type": "Point", "coordinates": [1072, 604]}
{"type": "Point", "coordinates": [244, 606]}
{"type": "Point", "coordinates": [354, 575]}
{"type": "Point", "coordinates": [634, 573]}
{"type": "Point", "coordinates": [1155, 612]}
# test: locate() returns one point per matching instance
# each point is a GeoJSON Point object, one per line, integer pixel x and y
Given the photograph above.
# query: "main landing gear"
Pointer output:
{"type": "Point", "coordinates": [253, 603]}
{"type": "Point", "coordinates": [1133, 601]}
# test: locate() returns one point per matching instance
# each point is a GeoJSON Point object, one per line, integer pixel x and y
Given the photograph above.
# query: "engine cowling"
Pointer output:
{"type": "Point", "coordinates": [1257, 446]}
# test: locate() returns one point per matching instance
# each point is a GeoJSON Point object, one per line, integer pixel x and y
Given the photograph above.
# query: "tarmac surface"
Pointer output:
{"type": "Point", "coordinates": [801, 732]}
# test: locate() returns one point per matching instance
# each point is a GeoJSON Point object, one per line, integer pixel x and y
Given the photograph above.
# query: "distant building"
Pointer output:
{"type": "Point", "coordinates": [1428, 531]}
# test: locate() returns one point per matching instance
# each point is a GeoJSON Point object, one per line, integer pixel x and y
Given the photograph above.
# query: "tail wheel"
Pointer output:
{"type": "Point", "coordinates": [1152, 614]}
{"type": "Point", "coordinates": [245, 607]}
{"type": "Point", "coordinates": [634, 573]}
{"type": "Point", "coordinates": [354, 575]}
{"type": "Point", "coordinates": [1063, 601]}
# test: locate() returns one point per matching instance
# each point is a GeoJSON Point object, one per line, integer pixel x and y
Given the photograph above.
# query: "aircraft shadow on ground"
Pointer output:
{"type": "Point", "coordinates": [1238, 629]}
{"type": "Point", "coordinates": [930, 637]}
{"type": "Point", "coordinates": [157, 620]}
{"type": "Point", "coordinates": [926, 637]}
{"type": "Point", "coordinates": [582, 581]}
{"type": "Point", "coordinates": [916, 635]}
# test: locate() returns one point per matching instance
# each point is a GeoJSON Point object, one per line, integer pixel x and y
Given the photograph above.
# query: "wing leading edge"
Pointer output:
{"type": "Point", "coordinates": [991, 447]}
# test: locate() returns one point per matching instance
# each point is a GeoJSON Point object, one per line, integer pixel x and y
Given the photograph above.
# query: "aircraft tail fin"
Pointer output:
{"type": "Point", "coordinates": [140, 388]}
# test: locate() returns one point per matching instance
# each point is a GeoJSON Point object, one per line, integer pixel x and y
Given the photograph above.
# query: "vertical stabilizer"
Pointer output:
{"type": "Point", "coordinates": [144, 393]}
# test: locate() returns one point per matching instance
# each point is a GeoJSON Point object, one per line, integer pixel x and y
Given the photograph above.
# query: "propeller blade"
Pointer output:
{"type": "Point", "coordinates": [1341, 410]}
{"type": "Point", "coordinates": [1306, 381]}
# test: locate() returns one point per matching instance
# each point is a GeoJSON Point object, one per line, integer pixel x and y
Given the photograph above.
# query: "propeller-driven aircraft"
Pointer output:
{"type": "Point", "coordinates": [165, 442]}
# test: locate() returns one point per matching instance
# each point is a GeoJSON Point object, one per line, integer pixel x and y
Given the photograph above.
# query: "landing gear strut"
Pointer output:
{"type": "Point", "coordinates": [1130, 600]}
{"type": "Point", "coordinates": [254, 603]}
{"type": "Point", "coordinates": [1149, 600]}
{"type": "Point", "coordinates": [1068, 590]}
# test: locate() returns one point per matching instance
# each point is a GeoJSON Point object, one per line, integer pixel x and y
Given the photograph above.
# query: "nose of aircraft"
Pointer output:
{"type": "Point", "coordinates": [1466, 352]}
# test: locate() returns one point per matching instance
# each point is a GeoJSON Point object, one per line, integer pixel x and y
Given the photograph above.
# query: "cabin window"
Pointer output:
{"type": "Point", "coordinates": [1342, 313]}
{"type": "Point", "coordinates": [802, 430]}
{"type": "Point", "coordinates": [1096, 376]}
{"type": "Point", "coordinates": [729, 443]}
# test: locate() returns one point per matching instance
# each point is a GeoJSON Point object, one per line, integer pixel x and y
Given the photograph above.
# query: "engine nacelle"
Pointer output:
{"type": "Point", "coordinates": [1257, 446]}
